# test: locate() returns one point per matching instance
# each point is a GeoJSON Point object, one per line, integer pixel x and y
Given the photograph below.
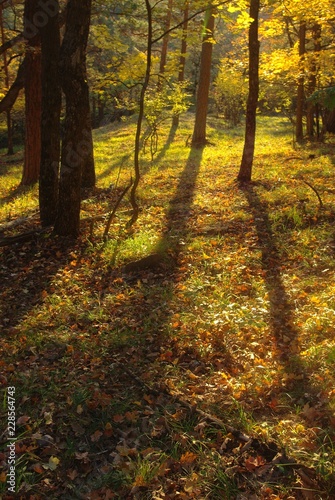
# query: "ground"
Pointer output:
{"type": "Point", "coordinates": [191, 356]}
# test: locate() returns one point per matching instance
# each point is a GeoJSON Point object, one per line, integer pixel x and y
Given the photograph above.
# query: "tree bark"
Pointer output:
{"type": "Point", "coordinates": [50, 131]}
{"type": "Point", "coordinates": [199, 131]}
{"type": "Point", "coordinates": [252, 102]}
{"type": "Point", "coordinates": [77, 135]}
{"type": "Point", "coordinates": [33, 97]}
{"type": "Point", "coordinates": [299, 130]}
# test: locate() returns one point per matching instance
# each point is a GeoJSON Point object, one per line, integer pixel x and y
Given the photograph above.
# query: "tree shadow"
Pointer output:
{"type": "Point", "coordinates": [281, 310]}
{"type": "Point", "coordinates": [151, 281]}
{"type": "Point", "coordinates": [26, 274]}
{"type": "Point", "coordinates": [285, 332]}
{"type": "Point", "coordinates": [168, 142]}
{"type": "Point", "coordinates": [180, 206]}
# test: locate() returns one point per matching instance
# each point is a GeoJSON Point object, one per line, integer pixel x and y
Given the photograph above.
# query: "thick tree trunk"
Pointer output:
{"type": "Point", "coordinates": [77, 136]}
{"type": "Point", "coordinates": [50, 131]}
{"type": "Point", "coordinates": [199, 131]}
{"type": "Point", "coordinates": [182, 60]}
{"type": "Point", "coordinates": [299, 129]}
{"type": "Point", "coordinates": [33, 97]}
{"type": "Point", "coordinates": [252, 102]}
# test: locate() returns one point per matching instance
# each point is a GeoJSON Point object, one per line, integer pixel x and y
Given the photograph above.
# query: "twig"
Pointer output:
{"type": "Point", "coordinates": [110, 218]}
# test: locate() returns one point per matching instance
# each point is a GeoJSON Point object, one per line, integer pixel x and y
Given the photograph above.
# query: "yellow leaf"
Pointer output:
{"type": "Point", "coordinates": [53, 463]}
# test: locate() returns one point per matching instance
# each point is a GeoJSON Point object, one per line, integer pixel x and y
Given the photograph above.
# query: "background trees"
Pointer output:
{"type": "Point", "coordinates": [188, 69]}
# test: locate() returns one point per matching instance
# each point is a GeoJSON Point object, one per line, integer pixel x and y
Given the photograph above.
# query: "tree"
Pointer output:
{"type": "Point", "coordinates": [10, 149]}
{"type": "Point", "coordinates": [51, 108]}
{"type": "Point", "coordinates": [182, 60]}
{"type": "Point", "coordinates": [33, 94]}
{"type": "Point", "coordinates": [199, 131]}
{"type": "Point", "coordinates": [165, 41]}
{"type": "Point", "coordinates": [76, 145]}
{"type": "Point", "coordinates": [299, 130]}
{"type": "Point", "coordinates": [250, 121]}
{"type": "Point", "coordinates": [145, 84]}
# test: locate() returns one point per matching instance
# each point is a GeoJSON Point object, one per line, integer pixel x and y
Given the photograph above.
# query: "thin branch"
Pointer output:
{"type": "Point", "coordinates": [116, 206]}
{"type": "Point", "coordinates": [184, 21]}
{"type": "Point", "coordinates": [313, 189]}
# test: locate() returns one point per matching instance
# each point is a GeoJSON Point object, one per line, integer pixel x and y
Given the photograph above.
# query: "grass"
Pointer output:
{"type": "Point", "coordinates": [238, 321]}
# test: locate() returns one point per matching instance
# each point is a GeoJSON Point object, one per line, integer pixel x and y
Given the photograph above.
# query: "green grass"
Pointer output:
{"type": "Point", "coordinates": [238, 321]}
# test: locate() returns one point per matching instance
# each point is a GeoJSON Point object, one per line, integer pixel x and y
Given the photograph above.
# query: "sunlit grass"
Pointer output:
{"type": "Point", "coordinates": [242, 321]}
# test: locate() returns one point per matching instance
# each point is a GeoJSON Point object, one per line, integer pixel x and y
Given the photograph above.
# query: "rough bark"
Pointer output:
{"type": "Point", "coordinates": [50, 131]}
{"type": "Point", "coordinates": [252, 102]}
{"type": "Point", "coordinates": [33, 97]}
{"type": "Point", "coordinates": [199, 132]}
{"type": "Point", "coordinates": [77, 135]}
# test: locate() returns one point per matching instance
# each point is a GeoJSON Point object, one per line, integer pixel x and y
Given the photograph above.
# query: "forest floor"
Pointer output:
{"type": "Point", "coordinates": [191, 356]}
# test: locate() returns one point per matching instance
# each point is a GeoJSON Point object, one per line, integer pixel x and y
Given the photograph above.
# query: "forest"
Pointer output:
{"type": "Point", "coordinates": [167, 244]}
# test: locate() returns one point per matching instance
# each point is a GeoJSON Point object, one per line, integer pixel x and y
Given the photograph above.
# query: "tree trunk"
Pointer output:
{"type": "Point", "coordinates": [199, 132]}
{"type": "Point", "coordinates": [50, 131]}
{"type": "Point", "coordinates": [182, 60]}
{"type": "Point", "coordinates": [88, 173]}
{"type": "Point", "coordinates": [299, 129]}
{"type": "Point", "coordinates": [10, 149]}
{"type": "Point", "coordinates": [312, 81]}
{"type": "Point", "coordinates": [163, 58]}
{"type": "Point", "coordinates": [252, 102]}
{"type": "Point", "coordinates": [33, 96]}
{"type": "Point", "coordinates": [133, 196]}
{"type": "Point", "coordinates": [77, 135]}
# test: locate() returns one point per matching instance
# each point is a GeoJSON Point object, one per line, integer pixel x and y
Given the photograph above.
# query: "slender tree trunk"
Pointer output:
{"type": "Point", "coordinates": [199, 131]}
{"type": "Point", "coordinates": [51, 108]}
{"type": "Point", "coordinates": [252, 102]}
{"type": "Point", "coordinates": [299, 130]}
{"type": "Point", "coordinates": [10, 149]}
{"type": "Point", "coordinates": [88, 174]}
{"type": "Point", "coordinates": [77, 135]}
{"type": "Point", "coordinates": [182, 60]}
{"type": "Point", "coordinates": [165, 42]}
{"type": "Point", "coordinates": [133, 198]}
{"type": "Point", "coordinates": [33, 96]}
{"type": "Point", "coordinates": [312, 81]}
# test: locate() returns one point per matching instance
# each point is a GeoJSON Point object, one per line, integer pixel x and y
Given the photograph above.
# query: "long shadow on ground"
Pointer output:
{"type": "Point", "coordinates": [284, 331]}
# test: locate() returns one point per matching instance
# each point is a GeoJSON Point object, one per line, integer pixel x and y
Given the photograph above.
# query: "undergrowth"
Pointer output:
{"type": "Point", "coordinates": [115, 366]}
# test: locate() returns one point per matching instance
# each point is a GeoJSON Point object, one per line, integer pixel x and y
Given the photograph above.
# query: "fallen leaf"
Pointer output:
{"type": "Point", "coordinates": [53, 463]}
{"type": "Point", "coordinates": [96, 436]}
